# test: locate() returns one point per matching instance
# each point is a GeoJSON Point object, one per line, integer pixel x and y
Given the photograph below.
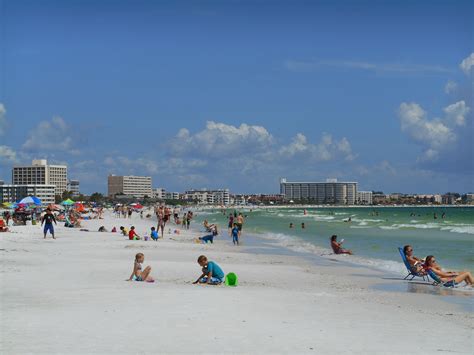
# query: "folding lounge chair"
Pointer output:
{"type": "Point", "coordinates": [411, 271]}
{"type": "Point", "coordinates": [439, 282]}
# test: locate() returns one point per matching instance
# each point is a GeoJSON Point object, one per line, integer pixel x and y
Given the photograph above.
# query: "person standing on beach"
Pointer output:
{"type": "Point", "coordinates": [235, 235]}
{"type": "Point", "coordinates": [240, 222]}
{"type": "Point", "coordinates": [231, 222]}
{"type": "Point", "coordinates": [48, 220]}
{"type": "Point", "coordinates": [189, 217]}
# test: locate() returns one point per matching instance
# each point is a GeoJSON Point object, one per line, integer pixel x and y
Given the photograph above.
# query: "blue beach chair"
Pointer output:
{"type": "Point", "coordinates": [438, 281]}
{"type": "Point", "coordinates": [411, 271]}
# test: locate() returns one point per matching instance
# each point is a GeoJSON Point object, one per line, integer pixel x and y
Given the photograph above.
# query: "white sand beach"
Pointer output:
{"type": "Point", "coordinates": [69, 295]}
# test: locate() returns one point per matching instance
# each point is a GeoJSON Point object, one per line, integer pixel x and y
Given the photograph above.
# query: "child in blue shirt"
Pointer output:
{"type": "Point", "coordinates": [154, 234]}
{"type": "Point", "coordinates": [212, 274]}
{"type": "Point", "coordinates": [235, 234]}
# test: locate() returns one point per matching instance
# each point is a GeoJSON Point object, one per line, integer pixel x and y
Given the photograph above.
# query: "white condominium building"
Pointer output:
{"type": "Point", "coordinates": [364, 197]}
{"type": "Point", "coordinates": [14, 193]}
{"type": "Point", "coordinates": [136, 186]}
{"type": "Point", "coordinates": [73, 186]}
{"type": "Point", "coordinates": [329, 192]}
{"type": "Point", "coordinates": [40, 173]}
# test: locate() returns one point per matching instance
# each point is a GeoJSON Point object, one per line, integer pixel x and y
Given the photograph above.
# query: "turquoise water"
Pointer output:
{"type": "Point", "coordinates": [373, 234]}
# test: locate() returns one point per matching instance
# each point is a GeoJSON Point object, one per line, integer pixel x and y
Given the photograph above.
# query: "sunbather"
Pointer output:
{"type": "Point", "coordinates": [447, 277]}
{"type": "Point", "coordinates": [415, 263]}
{"type": "Point", "coordinates": [337, 247]}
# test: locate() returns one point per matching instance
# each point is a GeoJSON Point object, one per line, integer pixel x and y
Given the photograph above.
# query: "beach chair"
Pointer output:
{"type": "Point", "coordinates": [438, 282]}
{"type": "Point", "coordinates": [410, 270]}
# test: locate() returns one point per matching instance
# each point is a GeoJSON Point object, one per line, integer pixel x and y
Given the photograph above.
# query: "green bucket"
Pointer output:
{"type": "Point", "coordinates": [231, 279]}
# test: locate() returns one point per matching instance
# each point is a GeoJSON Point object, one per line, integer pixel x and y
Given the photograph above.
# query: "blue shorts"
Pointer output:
{"type": "Point", "coordinates": [208, 238]}
{"type": "Point", "coordinates": [214, 280]}
{"type": "Point", "coordinates": [48, 227]}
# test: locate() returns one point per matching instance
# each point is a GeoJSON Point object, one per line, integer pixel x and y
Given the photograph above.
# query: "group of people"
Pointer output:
{"type": "Point", "coordinates": [422, 266]}
{"type": "Point", "coordinates": [234, 229]}
{"type": "Point", "coordinates": [212, 273]}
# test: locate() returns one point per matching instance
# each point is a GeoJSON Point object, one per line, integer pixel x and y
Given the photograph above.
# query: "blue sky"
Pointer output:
{"type": "Point", "coordinates": [239, 93]}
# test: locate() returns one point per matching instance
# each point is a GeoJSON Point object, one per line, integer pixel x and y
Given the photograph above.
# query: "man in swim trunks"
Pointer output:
{"type": "Point", "coordinates": [48, 220]}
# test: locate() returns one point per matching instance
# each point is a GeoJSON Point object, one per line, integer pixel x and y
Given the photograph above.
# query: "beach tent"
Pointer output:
{"type": "Point", "coordinates": [30, 200]}
{"type": "Point", "coordinates": [67, 202]}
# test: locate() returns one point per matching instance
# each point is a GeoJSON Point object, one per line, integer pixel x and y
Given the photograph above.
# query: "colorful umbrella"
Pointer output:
{"type": "Point", "coordinates": [67, 202]}
{"type": "Point", "coordinates": [31, 200]}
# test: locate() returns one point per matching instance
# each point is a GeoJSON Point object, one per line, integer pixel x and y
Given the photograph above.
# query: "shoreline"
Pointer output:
{"type": "Point", "coordinates": [69, 295]}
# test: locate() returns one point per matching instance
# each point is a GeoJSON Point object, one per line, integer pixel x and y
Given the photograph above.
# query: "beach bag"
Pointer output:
{"type": "Point", "coordinates": [231, 279]}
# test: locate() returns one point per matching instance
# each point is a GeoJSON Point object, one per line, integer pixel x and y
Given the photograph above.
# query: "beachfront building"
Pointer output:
{"type": "Point", "coordinates": [159, 193]}
{"type": "Point", "coordinates": [172, 195]}
{"type": "Point", "coordinates": [14, 193]}
{"type": "Point", "coordinates": [209, 197]}
{"type": "Point", "coordinates": [73, 187]}
{"type": "Point", "coordinates": [364, 197]}
{"type": "Point", "coordinates": [40, 173]}
{"type": "Point", "coordinates": [133, 186]}
{"type": "Point", "coordinates": [330, 192]}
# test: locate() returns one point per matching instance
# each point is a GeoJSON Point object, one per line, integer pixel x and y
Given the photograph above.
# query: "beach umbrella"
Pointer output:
{"type": "Point", "coordinates": [67, 202]}
{"type": "Point", "coordinates": [7, 204]}
{"type": "Point", "coordinates": [31, 200]}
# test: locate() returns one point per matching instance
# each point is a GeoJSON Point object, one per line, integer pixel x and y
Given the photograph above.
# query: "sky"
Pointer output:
{"type": "Point", "coordinates": [237, 94]}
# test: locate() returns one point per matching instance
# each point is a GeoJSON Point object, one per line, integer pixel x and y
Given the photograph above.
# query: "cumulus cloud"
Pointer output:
{"type": "Point", "coordinates": [467, 64]}
{"type": "Point", "coordinates": [7, 155]}
{"type": "Point", "coordinates": [3, 119]}
{"type": "Point", "coordinates": [220, 139]}
{"type": "Point", "coordinates": [326, 149]}
{"type": "Point", "coordinates": [450, 87]}
{"type": "Point", "coordinates": [53, 135]}
{"type": "Point", "coordinates": [456, 113]}
{"type": "Point", "coordinates": [433, 133]}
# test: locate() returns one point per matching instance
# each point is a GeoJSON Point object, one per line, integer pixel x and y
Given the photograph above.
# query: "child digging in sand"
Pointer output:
{"type": "Point", "coordinates": [138, 273]}
{"type": "Point", "coordinates": [212, 274]}
{"type": "Point", "coordinates": [132, 235]}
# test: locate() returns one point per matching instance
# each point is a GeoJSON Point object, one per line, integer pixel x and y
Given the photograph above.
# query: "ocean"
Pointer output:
{"type": "Point", "coordinates": [372, 233]}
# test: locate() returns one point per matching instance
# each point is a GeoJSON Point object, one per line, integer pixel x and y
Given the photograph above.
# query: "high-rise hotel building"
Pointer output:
{"type": "Point", "coordinates": [40, 173]}
{"type": "Point", "coordinates": [331, 192]}
{"type": "Point", "coordinates": [134, 186]}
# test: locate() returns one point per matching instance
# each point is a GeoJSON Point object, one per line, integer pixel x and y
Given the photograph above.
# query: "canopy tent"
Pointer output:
{"type": "Point", "coordinates": [67, 202]}
{"type": "Point", "coordinates": [30, 200]}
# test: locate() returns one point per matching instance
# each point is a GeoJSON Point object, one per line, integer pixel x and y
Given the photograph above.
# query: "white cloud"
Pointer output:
{"type": "Point", "coordinates": [51, 135]}
{"type": "Point", "coordinates": [450, 87]}
{"type": "Point", "coordinates": [467, 64]}
{"type": "Point", "coordinates": [3, 119]}
{"type": "Point", "coordinates": [7, 155]}
{"type": "Point", "coordinates": [313, 65]}
{"type": "Point", "coordinates": [456, 113]}
{"type": "Point", "coordinates": [220, 139]}
{"type": "Point", "coordinates": [432, 134]}
{"type": "Point", "coordinates": [327, 149]}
